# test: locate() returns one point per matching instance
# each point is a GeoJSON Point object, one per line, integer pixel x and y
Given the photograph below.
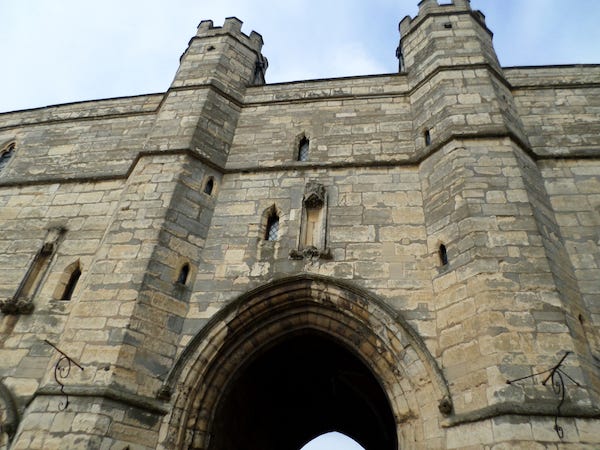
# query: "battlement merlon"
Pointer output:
{"type": "Point", "coordinates": [432, 7]}
{"type": "Point", "coordinates": [232, 26]}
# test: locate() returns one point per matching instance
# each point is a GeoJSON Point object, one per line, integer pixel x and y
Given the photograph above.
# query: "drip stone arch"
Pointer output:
{"type": "Point", "coordinates": [379, 336]}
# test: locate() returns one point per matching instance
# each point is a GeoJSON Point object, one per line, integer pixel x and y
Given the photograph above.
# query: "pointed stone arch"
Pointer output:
{"type": "Point", "coordinates": [254, 322]}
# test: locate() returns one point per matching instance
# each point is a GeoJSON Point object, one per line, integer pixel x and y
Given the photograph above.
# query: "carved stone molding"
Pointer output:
{"type": "Point", "coordinates": [314, 195]}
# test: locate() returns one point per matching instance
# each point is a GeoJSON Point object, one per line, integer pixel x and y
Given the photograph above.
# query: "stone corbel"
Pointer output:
{"type": "Point", "coordinates": [16, 305]}
{"type": "Point", "coordinates": [310, 253]}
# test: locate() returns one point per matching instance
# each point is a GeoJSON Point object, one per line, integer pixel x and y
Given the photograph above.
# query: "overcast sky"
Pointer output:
{"type": "Point", "coordinates": [58, 51]}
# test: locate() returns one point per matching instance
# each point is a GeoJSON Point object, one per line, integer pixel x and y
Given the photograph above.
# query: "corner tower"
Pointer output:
{"type": "Point", "coordinates": [506, 268]}
{"type": "Point", "coordinates": [202, 106]}
{"type": "Point", "coordinates": [458, 84]}
{"type": "Point", "coordinates": [139, 282]}
{"type": "Point", "coordinates": [445, 35]}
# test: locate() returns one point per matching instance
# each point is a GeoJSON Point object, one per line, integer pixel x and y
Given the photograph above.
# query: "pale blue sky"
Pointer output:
{"type": "Point", "coordinates": [70, 50]}
{"type": "Point", "coordinates": [332, 441]}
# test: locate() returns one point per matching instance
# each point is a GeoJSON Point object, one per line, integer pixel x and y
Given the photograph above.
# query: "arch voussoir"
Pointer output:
{"type": "Point", "coordinates": [258, 320]}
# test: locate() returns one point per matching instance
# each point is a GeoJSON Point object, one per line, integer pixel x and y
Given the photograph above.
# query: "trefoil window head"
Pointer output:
{"type": "Point", "coordinates": [5, 155]}
{"type": "Point", "coordinates": [303, 149]}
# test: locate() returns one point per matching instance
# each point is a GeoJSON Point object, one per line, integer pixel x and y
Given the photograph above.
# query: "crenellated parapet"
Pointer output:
{"type": "Point", "coordinates": [208, 89]}
{"type": "Point", "coordinates": [447, 51]}
{"type": "Point", "coordinates": [232, 26]}
{"type": "Point", "coordinates": [432, 7]}
{"type": "Point", "coordinates": [224, 57]}
{"type": "Point", "coordinates": [444, 35]}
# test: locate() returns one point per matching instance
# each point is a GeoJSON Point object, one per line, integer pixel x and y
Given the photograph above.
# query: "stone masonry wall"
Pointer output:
{"type": "Point", "coordinates": [98, 139]}
{"type": "Point", "coordinates": [375, 232]}
{"type": "Point", "coordinates": [509, 184]}
{"type": "Point", "coordinates": [559, 107]}
{"type": "Point", "coordinates": [574, 191]}
{"type": "Point", "coordinates": [26, 213]}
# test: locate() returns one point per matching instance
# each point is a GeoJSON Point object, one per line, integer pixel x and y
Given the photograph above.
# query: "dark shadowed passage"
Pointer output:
{"type": "Point", "coordinates": [302, 387]}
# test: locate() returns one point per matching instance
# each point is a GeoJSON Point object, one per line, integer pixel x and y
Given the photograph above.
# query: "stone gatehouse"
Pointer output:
{"type": "Point", "coordinates": [237, 265]}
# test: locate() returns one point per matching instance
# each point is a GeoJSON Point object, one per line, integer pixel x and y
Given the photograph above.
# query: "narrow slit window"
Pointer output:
{"type": "Point", "coordinates": [303, 149]}
{"type": "Point", "coordinates": [71, 284]}
{"type": "Point", "coordinates": [443, 255]}
{"type": "Point", "coordinates": [208, 187]}
{"type": "Point", "coordinates": [427, 136]}
{"type": "Point", "coordinates": [272, 227]}
{"type": "Point", "coordinates": [183, 274]}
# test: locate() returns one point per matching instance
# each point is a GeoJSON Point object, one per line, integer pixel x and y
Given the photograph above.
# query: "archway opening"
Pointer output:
{"type": "Point", "coordinates": [338, 441]}
{"type": "Point", "coordinates": [301, 387]}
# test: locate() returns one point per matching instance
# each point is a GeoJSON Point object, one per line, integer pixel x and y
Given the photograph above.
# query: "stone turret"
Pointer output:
{"type": "Point", "coordinates": [202, 106]}
{"type": "Point", "coordinates": [232, 265]}
{"type": "Point", "coordinates": [447, 51]}
{"type": "Point", "coordinates": [484, 204]}
{"type": "Point", "coordinates": [445, 35]}
{"type": "Point", "coordinates": [145, 282]}
{"type": "Point", "coordinates": [223, 57]}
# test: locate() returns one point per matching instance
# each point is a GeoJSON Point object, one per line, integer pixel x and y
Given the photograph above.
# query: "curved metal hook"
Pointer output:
{"type": "Point", "coordinates": [62, 370]}
{"type": "Point", "coordinates": [558, 386]}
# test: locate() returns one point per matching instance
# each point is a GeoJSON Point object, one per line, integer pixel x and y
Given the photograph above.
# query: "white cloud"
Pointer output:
{"type": "Point", "coordinates": [56, 52]}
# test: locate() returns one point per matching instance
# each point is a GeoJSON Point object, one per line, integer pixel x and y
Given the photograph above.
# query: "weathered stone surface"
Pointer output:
{"type": "Point", "coordinates": [461, 208]}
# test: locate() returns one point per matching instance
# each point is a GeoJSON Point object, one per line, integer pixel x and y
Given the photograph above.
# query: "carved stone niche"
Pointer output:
{"type": "Point", "coordinates": [312, 242]}
{"type": "Point", "coordinates": [22, 301]}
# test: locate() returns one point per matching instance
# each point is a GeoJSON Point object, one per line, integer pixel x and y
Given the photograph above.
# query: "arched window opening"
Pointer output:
{"type": "Point", "coordinates": [303, 149]}
{"type": "Point", "coordinates": [71, 283]}
{"type": "Point", "coordinates": [5, 155]}
{"type": "Point", "coordinates": [184, 272]}
{"type": "Point", "coordinates": [335, 440]}
{"type": "Point", "coordinates": [443, 255]}
{"type": "Point", "coordinates": [272, 231]}
{"type": "Point", "coordinates": [208, 187]}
